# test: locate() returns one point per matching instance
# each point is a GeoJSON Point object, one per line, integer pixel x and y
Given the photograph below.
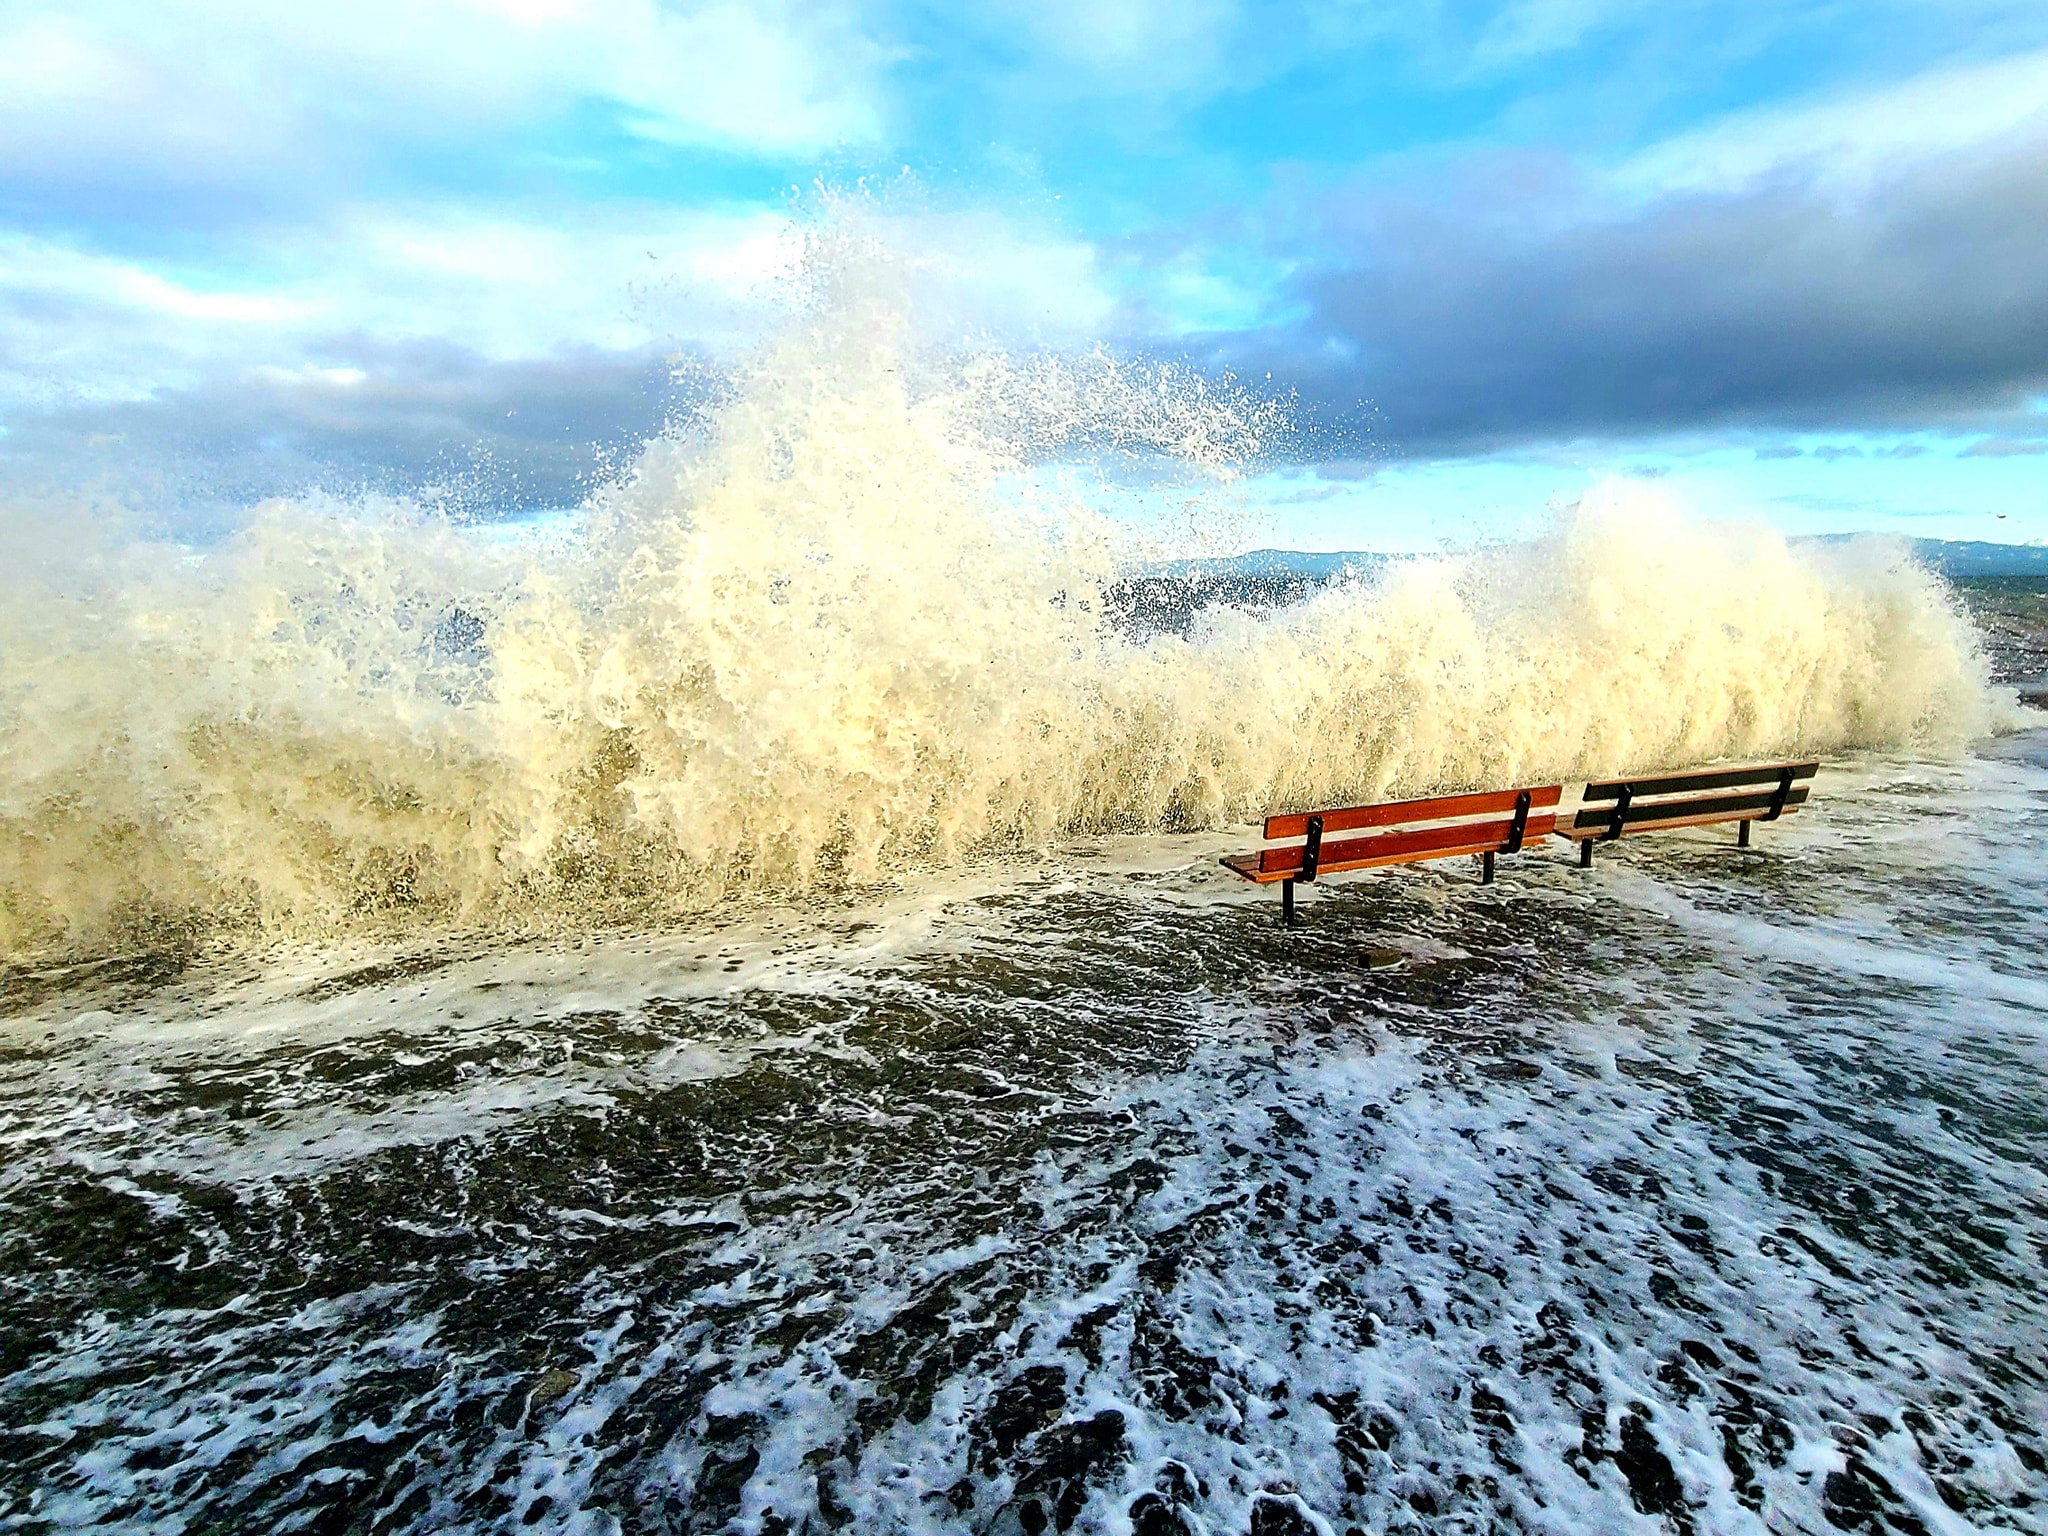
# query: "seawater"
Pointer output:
{"type": "Point", "coordinates": [728, 1019]}
{"type": "Point", "coordinates": [1708, 1191]}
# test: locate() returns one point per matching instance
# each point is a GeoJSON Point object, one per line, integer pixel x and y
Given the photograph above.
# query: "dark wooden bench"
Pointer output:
{"type": "Point", "coordinates": [1619, 807]}
{"type": "Point", "coordinates": [1401, 832]}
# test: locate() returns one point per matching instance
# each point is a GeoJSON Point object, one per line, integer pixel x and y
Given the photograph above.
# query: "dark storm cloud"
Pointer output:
{"type": "Point", "coordinates": [1510, 312]}
{"type": "Point", "coordinates": [422, 418]}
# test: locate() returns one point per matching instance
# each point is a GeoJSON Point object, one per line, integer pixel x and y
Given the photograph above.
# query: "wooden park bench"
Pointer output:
{"type": "Point", "coordinates": [1620, 807]}
{"type": "Point", "coordinates": [1400, 832]}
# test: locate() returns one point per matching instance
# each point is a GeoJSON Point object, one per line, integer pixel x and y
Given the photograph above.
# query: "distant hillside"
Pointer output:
{"type": "Point", "coordinates": [1956, 558]}
{"type": "Point", "coordinates": [1952, 557]}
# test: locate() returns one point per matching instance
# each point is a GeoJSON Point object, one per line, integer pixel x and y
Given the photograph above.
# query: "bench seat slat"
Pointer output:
{"type": "Point", "coordinates": [1713, 778]}
{"type": "Point", "coordinates": [1396, 813]}
{"type": "Point", "coordinates": [1401, 847]}
{"type": "Point", "coordinates": [1642, 817]}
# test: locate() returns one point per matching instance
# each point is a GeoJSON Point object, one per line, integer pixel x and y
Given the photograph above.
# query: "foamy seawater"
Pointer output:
{"type": "Point", "coordinates": [1704, 1192]}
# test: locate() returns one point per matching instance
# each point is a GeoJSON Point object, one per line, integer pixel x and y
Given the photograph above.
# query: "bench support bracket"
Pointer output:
{"type": "Point", "coordinates": [1519, 826]}
{"type": "Point", "coordinates": [1779, 795]}
{"type": "Point", "coordinates": [1620, 817]}
{"type": "Point", "coordinates": [1311, 851]}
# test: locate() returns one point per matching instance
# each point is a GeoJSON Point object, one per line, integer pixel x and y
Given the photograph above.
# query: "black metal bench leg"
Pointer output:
{"type": "Point", "coordinates": [1486, 869]}
{"type": "Point", "coordinates": [1742, 834]}
{"type": "Point", "coordinates": [1287, 901]}
{"type": "Point", "coordinates": [1585, 853]}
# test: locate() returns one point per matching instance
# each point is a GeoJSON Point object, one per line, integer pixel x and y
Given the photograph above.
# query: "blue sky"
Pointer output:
{"type": "Point", "coordinates": [1785, 258]}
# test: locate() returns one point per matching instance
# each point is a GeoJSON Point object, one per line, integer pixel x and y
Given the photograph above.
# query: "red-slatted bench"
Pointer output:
{"type": "Point", "coordinates": [1399, 832]}
{"type": "Point", "coordinates": [1622, 807]}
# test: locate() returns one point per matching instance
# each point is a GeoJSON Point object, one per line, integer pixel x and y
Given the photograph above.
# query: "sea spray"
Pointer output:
{"type": "Point", "coordinates": [837, 630]}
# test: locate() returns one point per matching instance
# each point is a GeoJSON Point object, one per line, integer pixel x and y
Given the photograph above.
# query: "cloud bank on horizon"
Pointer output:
{"type": "Point", "coordinates": [254, 247]}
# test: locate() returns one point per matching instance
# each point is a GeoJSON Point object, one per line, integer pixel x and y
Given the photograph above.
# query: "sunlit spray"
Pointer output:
{"type": "Point", "coordinates": [841, 628]}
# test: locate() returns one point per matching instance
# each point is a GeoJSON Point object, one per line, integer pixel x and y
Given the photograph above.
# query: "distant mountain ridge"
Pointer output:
{"type": "Point", "coordinates": [1965, 557]}
{"type": "Point", "coordinates": [1952, 557]}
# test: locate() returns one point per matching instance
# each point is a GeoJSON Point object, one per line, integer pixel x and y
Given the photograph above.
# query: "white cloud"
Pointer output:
{"type": "Point", "coordinates": [394, 343]}
{"type": "Point", "coordinates": [1847, 142]}
{"type": "Point", "coordinates": [214, 88]}
{"type": "Point", "coordinates": [1532, 29]}
{"type": "Point", "coordinates": [979, 270]}
{"type": "Point", "coordinates": [76, 323]}
{"type": "Point", "coordinates": [1135, 47]}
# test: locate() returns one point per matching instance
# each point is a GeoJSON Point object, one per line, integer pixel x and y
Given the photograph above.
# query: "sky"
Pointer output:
{"type": "Point", "coordinates": [1788, 258]}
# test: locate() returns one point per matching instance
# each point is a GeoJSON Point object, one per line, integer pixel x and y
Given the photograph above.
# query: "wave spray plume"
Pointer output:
{"type": "Point", "coordinates": [839, 629]}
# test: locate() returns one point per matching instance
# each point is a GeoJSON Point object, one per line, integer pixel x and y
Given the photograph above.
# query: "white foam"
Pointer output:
{"type": "Point", "coordinates": [1227, 1185]}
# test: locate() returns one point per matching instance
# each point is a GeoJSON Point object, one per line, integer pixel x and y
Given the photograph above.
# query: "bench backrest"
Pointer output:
{"type": "Point", "coordinates": [1494, 821]}
{"type": "Point", "coordinates": [1758, 792]}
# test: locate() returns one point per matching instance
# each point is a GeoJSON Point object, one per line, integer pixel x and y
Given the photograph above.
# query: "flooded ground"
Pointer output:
{"type": "Point", "coordinates": [1704, 1192]}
